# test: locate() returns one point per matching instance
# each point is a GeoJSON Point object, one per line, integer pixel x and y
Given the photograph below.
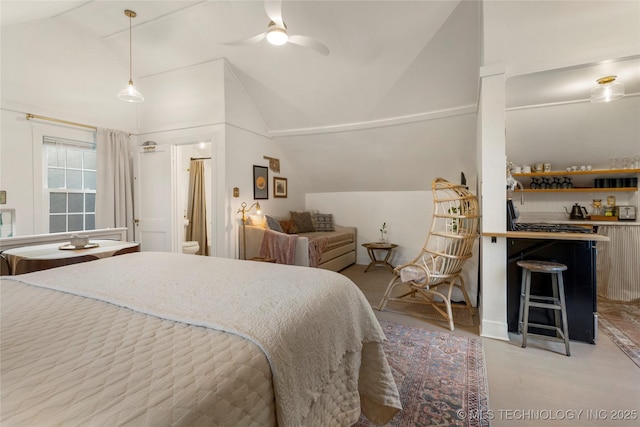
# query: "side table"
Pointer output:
{"type": "Point", "coordinates": [378, 246]}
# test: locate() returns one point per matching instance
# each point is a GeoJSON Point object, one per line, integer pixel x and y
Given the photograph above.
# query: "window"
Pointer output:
{"type": "Point", "coordinates": [70, 184]}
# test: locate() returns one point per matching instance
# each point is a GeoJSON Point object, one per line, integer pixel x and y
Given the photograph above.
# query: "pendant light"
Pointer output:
{"type": "Point", "coordinates": [130, 93]}
{"type": "Point", "coordinates": [608, 89]}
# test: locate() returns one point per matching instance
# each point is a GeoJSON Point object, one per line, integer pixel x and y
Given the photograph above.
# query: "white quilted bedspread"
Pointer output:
{"type": "Point", "coordinates": [68, 360]}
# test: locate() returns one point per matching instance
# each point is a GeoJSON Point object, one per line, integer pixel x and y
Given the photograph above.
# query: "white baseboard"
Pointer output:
{"type": "Point", "coordinates": [492, 329]}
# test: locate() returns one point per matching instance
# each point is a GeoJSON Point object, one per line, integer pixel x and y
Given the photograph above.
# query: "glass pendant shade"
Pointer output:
{"type": "Point", "coordinates": [130, 94]}
{"type": "Point", "coordinates": [607, 90]}
{"type": "Point", "coordinates": [277, 36]}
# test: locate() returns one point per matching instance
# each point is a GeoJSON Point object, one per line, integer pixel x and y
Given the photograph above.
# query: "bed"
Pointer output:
{"type": "Point", "coordinates": [163, 339]}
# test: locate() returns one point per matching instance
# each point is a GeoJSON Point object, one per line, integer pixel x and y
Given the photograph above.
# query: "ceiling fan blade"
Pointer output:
{"type": "Point", "coordinates": [251, 40]}
{"type": "Point", "coordinates": [274, 11]}
{"type": "Point", "coordinates": [310, 43]}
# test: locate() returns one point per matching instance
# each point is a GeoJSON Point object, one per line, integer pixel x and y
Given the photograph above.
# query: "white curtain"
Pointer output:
{"type": "Point", "coordinates": [114, 195]}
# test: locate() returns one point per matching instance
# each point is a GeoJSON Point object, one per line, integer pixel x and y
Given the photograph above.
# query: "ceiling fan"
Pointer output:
{"type": "Point", "coordinates": [277, 34]}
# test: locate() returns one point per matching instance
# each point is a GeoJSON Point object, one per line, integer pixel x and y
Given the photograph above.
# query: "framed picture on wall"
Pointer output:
{"type": "Point", "coordinates": [260, 182]}
{"type": "Point", "coordinates": [279, 186]}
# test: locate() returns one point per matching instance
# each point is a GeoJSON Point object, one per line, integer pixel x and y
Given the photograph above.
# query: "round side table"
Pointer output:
{"type": "Point", "coordinates": [378, 246]}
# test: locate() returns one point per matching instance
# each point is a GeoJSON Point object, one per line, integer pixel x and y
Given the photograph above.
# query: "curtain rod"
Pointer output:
{"type": "Point", "coordinates": [201, 158]}
{"type": "Point", "coordinates": [35, 116]}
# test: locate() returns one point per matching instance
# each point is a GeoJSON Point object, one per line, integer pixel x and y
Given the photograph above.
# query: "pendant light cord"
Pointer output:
{"type": "Point", "coordinates": [130, 55]}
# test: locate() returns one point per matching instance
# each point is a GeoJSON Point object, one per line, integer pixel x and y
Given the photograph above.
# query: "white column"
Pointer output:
{"type": "Point", "coordinates": [492, 163]}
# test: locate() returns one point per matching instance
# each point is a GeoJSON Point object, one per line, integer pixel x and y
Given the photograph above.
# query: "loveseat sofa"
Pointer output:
{"type": "Point", "coordinates": [325, 245]}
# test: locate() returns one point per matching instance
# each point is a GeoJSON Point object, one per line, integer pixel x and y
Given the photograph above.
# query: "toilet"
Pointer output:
{"type": "Point", "coordinates": [190, 247]}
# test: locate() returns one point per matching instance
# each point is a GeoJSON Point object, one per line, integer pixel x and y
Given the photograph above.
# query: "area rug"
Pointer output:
{"type": "Point", "coordinates": [621, 322]}
{"type": "Point", "coordinates": [441, 377]}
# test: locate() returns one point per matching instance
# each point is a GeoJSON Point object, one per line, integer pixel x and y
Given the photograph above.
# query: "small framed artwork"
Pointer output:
{"type": "Point", "coordinates": [260, 182]}
{"type": "Point", "coordinates": [279, 187]}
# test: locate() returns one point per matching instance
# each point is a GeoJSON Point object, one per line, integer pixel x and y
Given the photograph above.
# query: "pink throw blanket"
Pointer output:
{"type": "Point", "coordinates": [281, 247]}
{"type": "Point", "coordinates": [317, 245]}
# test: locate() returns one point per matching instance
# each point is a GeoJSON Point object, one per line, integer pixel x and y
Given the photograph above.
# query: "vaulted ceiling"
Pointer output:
{"type": "Point", "coordinates": [388, 58]}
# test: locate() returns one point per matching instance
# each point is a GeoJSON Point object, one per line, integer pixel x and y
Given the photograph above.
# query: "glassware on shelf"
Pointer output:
{"type": "Point", "coordinates": [556, 183]}
{"type": "Point", "coordinates": [597, 207]}
{"type": "Point", "coordinates": [535, 184]}
{"type": "Point", "coordinates": [569, 184]}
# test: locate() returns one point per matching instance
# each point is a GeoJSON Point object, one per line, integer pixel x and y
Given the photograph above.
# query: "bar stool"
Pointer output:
{"type": "Point", "coordinates": [556, 302]}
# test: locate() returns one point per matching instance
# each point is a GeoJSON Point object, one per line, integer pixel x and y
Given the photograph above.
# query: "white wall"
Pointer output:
{"type": "Point", "coordinates": [529, 36]}
{"type": "Point", "coordinates": [196, 110]}
{"type": "Point", "coordinates": [244, 150]}
{"type": "Point", "coordinates": [185, 98]}
{"type": "Point", "coordinates": [408, 216]}
{"type": "Point", "coordinates": [403, 157]}
{"type": "Point", "coordinates": [56, 70]}
{"type": "Point", "coordinates": [574, 134]}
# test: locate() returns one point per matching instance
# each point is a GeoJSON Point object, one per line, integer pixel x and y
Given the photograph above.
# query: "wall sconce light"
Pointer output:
{"type": "Point", "coordinates": [608, 89]}
{"type": "Point", "coordinates": [243, 209]}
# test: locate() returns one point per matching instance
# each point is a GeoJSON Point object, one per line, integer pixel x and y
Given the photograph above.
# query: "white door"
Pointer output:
{"type": "Point", "coordinates": [153, 171]}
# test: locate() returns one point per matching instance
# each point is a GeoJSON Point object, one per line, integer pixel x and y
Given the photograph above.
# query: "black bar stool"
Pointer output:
{"type": "Point", "coordinates": [556, 302]}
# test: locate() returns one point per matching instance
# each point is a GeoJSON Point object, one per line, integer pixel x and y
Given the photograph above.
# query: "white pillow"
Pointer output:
{"type": "Point", "coordinates": [258, 220]}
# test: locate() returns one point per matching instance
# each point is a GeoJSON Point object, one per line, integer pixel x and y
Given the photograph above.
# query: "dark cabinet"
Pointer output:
{"type": "Point", "coordinates": [579, 280]}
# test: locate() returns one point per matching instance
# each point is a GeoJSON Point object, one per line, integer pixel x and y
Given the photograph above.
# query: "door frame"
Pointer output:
{"type": "Point", "coordinates": [217, 205]}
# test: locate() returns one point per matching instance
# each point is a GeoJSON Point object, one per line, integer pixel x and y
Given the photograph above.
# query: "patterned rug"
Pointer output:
{"type": "Point", "coordinates": [621, 322]}
{"type": "Point", "coordinates": [441, 377]}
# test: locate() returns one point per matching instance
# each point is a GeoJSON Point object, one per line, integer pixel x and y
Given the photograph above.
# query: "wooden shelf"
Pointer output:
{"type": "Point", "coordinates": [591, 172]}
{"type": "Point", "coordinates": [580, 174]}
{"type": "Point", "coordinates": [576, 190]}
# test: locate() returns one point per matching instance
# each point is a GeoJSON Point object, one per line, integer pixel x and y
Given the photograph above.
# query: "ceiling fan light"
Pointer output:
{"type": "Point", "coordinates": [277, 36]}
{"type": "Point", "coordinates": [130, 94]}
{"type": "Point", "coordinates": [608, 89]}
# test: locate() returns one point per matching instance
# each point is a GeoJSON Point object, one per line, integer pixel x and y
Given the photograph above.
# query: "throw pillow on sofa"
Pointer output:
{"type": "Point", "coordinates": [323, 222]}
{"type": "Point", "coordinates": [302, 221]}
{"type": "Point", "coordinates": [288, 226]}
{"type": "Point", "coordinates": [273, 224]}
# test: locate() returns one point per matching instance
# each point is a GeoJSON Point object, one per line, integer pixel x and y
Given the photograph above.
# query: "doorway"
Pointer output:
{"type": "Point", "coordinates": [189, 229]}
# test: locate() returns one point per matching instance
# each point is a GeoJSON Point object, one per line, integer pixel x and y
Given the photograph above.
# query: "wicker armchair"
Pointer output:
{"type": "Point", "coordinates": [454, 229]}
